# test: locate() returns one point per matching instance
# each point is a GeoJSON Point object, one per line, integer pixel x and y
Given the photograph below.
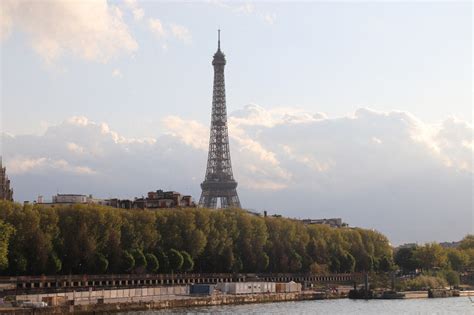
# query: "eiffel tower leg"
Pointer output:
{"type": "Point", "coordinates": [207, 200]}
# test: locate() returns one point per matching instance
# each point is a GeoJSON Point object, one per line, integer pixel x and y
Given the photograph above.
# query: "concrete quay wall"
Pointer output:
{"type": "Point", "coordinates": [112, 296]}
{"type": "Point", "coordinates": [149, 302]}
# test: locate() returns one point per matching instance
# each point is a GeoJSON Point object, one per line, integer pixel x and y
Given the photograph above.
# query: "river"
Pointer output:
{"type": "Point", "coordinates": [460, 305]}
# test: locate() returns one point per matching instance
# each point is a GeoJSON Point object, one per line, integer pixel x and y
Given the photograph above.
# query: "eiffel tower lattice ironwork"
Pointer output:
{"type": "Point", "coordinates": [219, 181]}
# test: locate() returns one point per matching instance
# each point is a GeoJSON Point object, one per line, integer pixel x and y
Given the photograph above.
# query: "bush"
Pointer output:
{"type": "Point", "coordinates": [54, 264]}
{"type": "Point", "coordinates": [152, 263]}
{"type": "Point", "coordinates": [127, 261]}
{"type": "Point", "coordinates": [452, 277]}
{"type": "Point", "coordinates": [140, 261]}
{"type": "Point", "coordinates": [425, 282]}
{"type": "Point", "coordinates": [176, 260]}
{"type": "Point", "coordinates": [101, 263]}
{"type": "Point", "coordinates": [188, 263]}
{"type": "Point", "coordinates": [318, 269]}
{"type": "Point", "coordinates": [163, 261]}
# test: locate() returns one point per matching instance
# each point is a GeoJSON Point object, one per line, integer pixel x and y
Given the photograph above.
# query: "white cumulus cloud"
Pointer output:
{"type": "Point", "coordinates": [181, 32]}
{"type": "Point", "coordinates": [156, 27]}
{"type": "Point", "coordinates": [90, 30]}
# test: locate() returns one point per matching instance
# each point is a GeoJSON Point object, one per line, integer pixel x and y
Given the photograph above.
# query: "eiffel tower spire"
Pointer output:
{"type": "Point", "coordinates": [219, 181]}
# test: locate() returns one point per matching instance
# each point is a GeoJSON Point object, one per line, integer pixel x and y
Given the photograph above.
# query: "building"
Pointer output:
{"type": "Point", "coordinates": [163, 199]}
{"type": "Point", "coordinates": [246, 287]}
{"type": "Point", "coordinates": [450, 244]}
{"type": "Point", "coordinates": [6, 192]}
{"type": "Point", "coordinates": [69, 198]}
{"type": "Point", "coordinates": [154, 200]}
{"type": "Point", "coordinates": [333, 222]}
{"type": "Point", "coordinates": [219, 183]}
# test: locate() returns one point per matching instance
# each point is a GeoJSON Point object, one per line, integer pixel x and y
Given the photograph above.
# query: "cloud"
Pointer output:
{"type": "Point", "coordinates": [156, 27]}
{"type": "Point", "coordinates": [89, 30]}
{"type": "Point", "coordinates": [255, 115]}
{"type": "Point", "coordinates": [240, 8]}
{"type": "Point", "coordinates": [28, 165]}
{"type": "Point", "coordinates": [246, 9]}
{"type": "Point", "coordinates": [181, 32]}
{"type": "Point", "coordinates": [269, 18]}
{"type": "Point", "coordinates": [138, 12]}
{"type": "Point", "coordinates": [190, 132]}
{"type": "Point", "coordinates": [383, 170]}
{"type": "Point", "coordinates": [116, 73]}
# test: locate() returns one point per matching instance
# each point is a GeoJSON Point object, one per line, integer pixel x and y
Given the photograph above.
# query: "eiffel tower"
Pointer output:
{"type": "Point", "coordinates": [219, 181]}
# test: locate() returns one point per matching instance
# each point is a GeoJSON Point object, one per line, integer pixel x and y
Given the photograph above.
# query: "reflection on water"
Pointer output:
{"type": "Point", "coordinates": [461, 305]}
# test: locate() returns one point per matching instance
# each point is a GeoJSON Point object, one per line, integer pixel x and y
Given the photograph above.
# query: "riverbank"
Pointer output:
{"type": "Point", "coordinates": [162, 298]}
{"type": "Point", "coordinates": [184, 301]}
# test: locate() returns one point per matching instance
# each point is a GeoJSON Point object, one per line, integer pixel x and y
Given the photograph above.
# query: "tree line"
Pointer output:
{"type": "Point", "coordinates": [433, 256]}
{"type": "Point", "coordinates": [93, 239]}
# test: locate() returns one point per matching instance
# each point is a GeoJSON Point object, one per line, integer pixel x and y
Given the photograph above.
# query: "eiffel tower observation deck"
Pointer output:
{"type": "Point", "coordinates": [219, 182]}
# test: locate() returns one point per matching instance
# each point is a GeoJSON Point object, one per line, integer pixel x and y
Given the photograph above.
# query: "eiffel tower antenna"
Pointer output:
{"type": "Point", "coordinates": [219, 182]}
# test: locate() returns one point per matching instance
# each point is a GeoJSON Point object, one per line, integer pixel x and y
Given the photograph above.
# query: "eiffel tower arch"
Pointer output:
{"type": "Point", "coordinates": [219, 182]}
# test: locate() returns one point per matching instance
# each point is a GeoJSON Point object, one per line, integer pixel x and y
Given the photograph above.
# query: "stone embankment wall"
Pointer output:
{"type": "Point", "coordinates": [112, 296]}
{"type": "Point", "coordinates": [149, 302]}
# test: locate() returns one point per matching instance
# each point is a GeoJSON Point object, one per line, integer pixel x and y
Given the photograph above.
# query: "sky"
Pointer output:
{"type": "Point", "coordinates": [359, 110]}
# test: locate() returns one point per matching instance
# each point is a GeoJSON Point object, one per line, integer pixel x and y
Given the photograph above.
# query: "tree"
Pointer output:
{"type": "Point", "coordinates": [99, 239]}
{"type": "Point", "coordinates": [140, 260]}
{"type": "Point", "coordinates": [385, 264]}
{"type": "Point", "coordinates": [318, 269]}
{"type": "Point", "coordinates": [100, 264]}
{"type": "Point", "coordinates": [406, 260]}
{"type": "Point", "coordinates": [452, 277]}
{"type": "Point", "coordinates": [347, 263]}
{"type": "Point", "coordinates": [295, 262]}
{"type": "Point", "coordinates": [431, 256]}
{"type": "Point", "coordinates": [128, 262]}
{"type": "Point", "coordinates": [152, 263]}
{"type": "Point", "coordinates": [163, 260]}
{"type": "Point", "coordinates": [54, 264]}
{"type": "Point", "coordinates": [335, 264]}
{"type": "Point", "coordinates": [188, 263]}
{"type": "Point", "coordinates": [237, 265]}
{"type": "Point", "coordinates": [176, 259]}
{"type": "Point", "coordinates": [6, 230]}
{"type": "Point", "coordinates": [263, 261]}
{"type": "Point", "coordinates": [467, 242]}
{"type": "Point", "coordinates": [458, 259]}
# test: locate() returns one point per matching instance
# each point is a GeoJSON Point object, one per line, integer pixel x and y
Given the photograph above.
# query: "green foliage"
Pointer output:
{"type": "Point", "coordinates": [127, 262]}
{"type": "Point", "coordinates": [458, 259]}
{"type": "Point", "coordinates": [6, 230]}
{"type": "Point", "coordinates": [386, 264]}
{"type": "Point", "coordinates": [467, 242]}
{"type": "Point", "coordinates": [425, 282]}
{"type": "Point", "coordinates": [405, 258]}
{"type": "Point", "coordinates": [452, 277]}
{"type": "Point", "coordinates": [140, 261]}
{"type": "Point", "coordinates": [176, 259]}
{"type": "Point", "coordinates": [188, 263]}
{"type": "Point", "coordinates": [96, 239]}
{"type": "Point", "coordinates": [163, 260]}
{"type": "Point", "coordinates": [263, 262]}
{"type": "Point", "coordinates": [318, 269]}
{"type": "Point", "coordinates": [152, 263]}
{"type": "Point", "coordinates": [100, 264]}
{"type": "Point", "coordinates": [54, 264]}
{"type": "Point", "coordinates": [431, 256]}
{"type": "Point", "coordinates": [347, 262]}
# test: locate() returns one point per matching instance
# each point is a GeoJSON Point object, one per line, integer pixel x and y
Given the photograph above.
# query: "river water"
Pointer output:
{"type": "Point", "coordinates": [460, 305]}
